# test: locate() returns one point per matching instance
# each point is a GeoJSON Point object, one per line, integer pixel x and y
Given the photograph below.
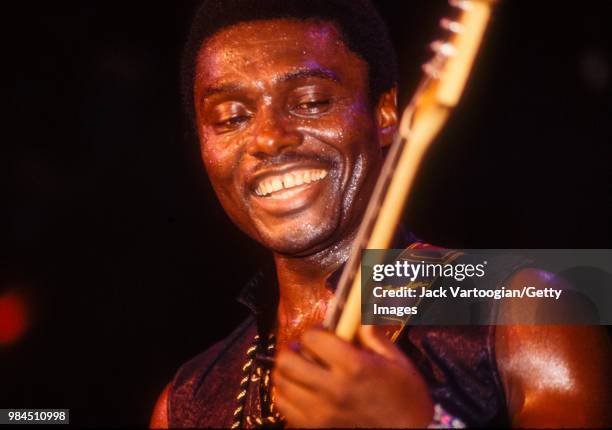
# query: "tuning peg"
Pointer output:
{"type": "Point", "coordinates": [445, 49]}
{"type": "Point", "coordinates": [461, 4]}
{"type": "Point", "coordinates": [452, 26]}
{"type": "Point", "coordinates": [431, 70]}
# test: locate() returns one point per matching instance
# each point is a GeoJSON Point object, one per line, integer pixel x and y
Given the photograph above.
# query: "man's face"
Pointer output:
{"type": "Point", "coordinates": [288, 137]}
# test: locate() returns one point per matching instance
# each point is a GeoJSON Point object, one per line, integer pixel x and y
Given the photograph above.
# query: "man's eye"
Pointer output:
{"type": "Point", "coordinates": [231, 122]}
{"type": "Point", "coordinates": [312, 107]}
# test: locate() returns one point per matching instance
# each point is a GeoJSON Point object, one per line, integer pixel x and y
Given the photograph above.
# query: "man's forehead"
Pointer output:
{"type": "Point", "coordinates": [271, 47]}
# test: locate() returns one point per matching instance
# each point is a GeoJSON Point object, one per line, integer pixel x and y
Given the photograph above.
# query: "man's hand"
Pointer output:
{"type": "Point", "coordinates": [374, 385]}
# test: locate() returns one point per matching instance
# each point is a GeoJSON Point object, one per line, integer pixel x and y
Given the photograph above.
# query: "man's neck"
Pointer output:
{"type": "Point", "coordinates": [304, 293]}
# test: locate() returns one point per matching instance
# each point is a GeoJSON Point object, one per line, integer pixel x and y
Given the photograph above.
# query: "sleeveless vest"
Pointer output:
{"type": "Point", "coordinates": [457, 362]}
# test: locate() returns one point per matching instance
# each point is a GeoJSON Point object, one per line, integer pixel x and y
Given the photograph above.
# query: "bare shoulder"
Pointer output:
{"type": "Point", "coordinates": [554, 375]}
{"type": "Point", "coordinates": [159, 419]}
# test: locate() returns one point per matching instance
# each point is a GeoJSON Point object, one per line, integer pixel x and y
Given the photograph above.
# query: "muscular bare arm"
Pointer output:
{"type": "Point", "coordinates": [554, 376]}
{"type": "Point", "coordinates": [159, 419]}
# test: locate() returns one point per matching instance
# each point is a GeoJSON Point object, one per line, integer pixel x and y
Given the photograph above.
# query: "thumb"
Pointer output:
{"type": "Point", "coordinates": [371, 337]}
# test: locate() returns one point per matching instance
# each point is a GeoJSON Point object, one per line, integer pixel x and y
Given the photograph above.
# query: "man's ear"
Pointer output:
{"type": "Point", "coordinates": [386, 116]}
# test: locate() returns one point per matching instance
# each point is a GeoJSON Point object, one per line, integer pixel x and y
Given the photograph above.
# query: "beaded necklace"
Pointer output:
{"type": "Point", "coordinates": [253, 372]}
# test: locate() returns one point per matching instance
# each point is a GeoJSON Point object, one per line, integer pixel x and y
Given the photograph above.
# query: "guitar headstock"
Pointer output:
{"type": "Point", "coordinates": [447, 72]}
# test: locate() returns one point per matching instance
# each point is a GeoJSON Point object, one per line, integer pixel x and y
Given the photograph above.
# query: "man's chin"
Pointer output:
{"type": "Point", "coordinates": [299, 242]}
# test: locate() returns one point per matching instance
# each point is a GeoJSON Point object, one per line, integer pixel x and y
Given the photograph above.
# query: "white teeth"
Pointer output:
{"type": "Point", "coordinates": [299, 179]}
{"type": "Point", "coordinates": [288, 181]}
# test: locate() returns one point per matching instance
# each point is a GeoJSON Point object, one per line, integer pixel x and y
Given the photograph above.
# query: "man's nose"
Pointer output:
{"type": "Point", "coordinates": [271, 138]}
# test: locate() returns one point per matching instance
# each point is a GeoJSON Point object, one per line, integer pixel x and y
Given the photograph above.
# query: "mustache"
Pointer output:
{"type": "Point", "coordinates": [292, 157]}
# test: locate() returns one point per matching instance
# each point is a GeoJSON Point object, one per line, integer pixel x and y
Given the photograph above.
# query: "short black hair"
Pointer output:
{"type": "Point", "coordinates": [361, 26]}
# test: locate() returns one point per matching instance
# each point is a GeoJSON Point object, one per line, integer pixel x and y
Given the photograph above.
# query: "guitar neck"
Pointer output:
{"type": "Point", "coordinates": [362, 239]}
{"type": "Point", "coordinates": [438, 93]}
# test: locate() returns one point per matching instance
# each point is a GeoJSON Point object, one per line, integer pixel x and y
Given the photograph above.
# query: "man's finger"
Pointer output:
{"type": "Point", "coordinates": [292, 399]}
{"type": "Point", "coordinates": [293, 414]}
{"type": "Point", "coordinates": [297, 368]}
{"type": "Point", "coordinates": [330, 349]}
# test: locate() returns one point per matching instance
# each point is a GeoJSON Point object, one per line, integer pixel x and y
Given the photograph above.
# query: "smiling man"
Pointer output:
{"type": "Point", "coordinates": [293, 103]}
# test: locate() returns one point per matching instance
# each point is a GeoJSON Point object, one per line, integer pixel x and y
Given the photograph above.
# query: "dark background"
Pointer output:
{"type": "Point", "coordinates": [127, 265]}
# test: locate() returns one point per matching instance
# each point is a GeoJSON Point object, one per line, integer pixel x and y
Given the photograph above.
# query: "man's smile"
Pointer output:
{"type": "Point", "coordinates": [289, 188]}
{"type": "Point", "coordinates": [288, 184]}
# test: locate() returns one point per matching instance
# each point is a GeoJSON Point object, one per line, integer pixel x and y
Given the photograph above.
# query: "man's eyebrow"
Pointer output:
{"type": "Point", "coordinates": [309, 73]}
{"type": "Point", "coordinates": [289, 76]}
{"type": "Point", "coordinates": [222, 88]}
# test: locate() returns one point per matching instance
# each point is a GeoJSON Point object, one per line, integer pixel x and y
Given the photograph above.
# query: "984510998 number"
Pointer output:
{"type": "Point", "coordinates": [34, 416]}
